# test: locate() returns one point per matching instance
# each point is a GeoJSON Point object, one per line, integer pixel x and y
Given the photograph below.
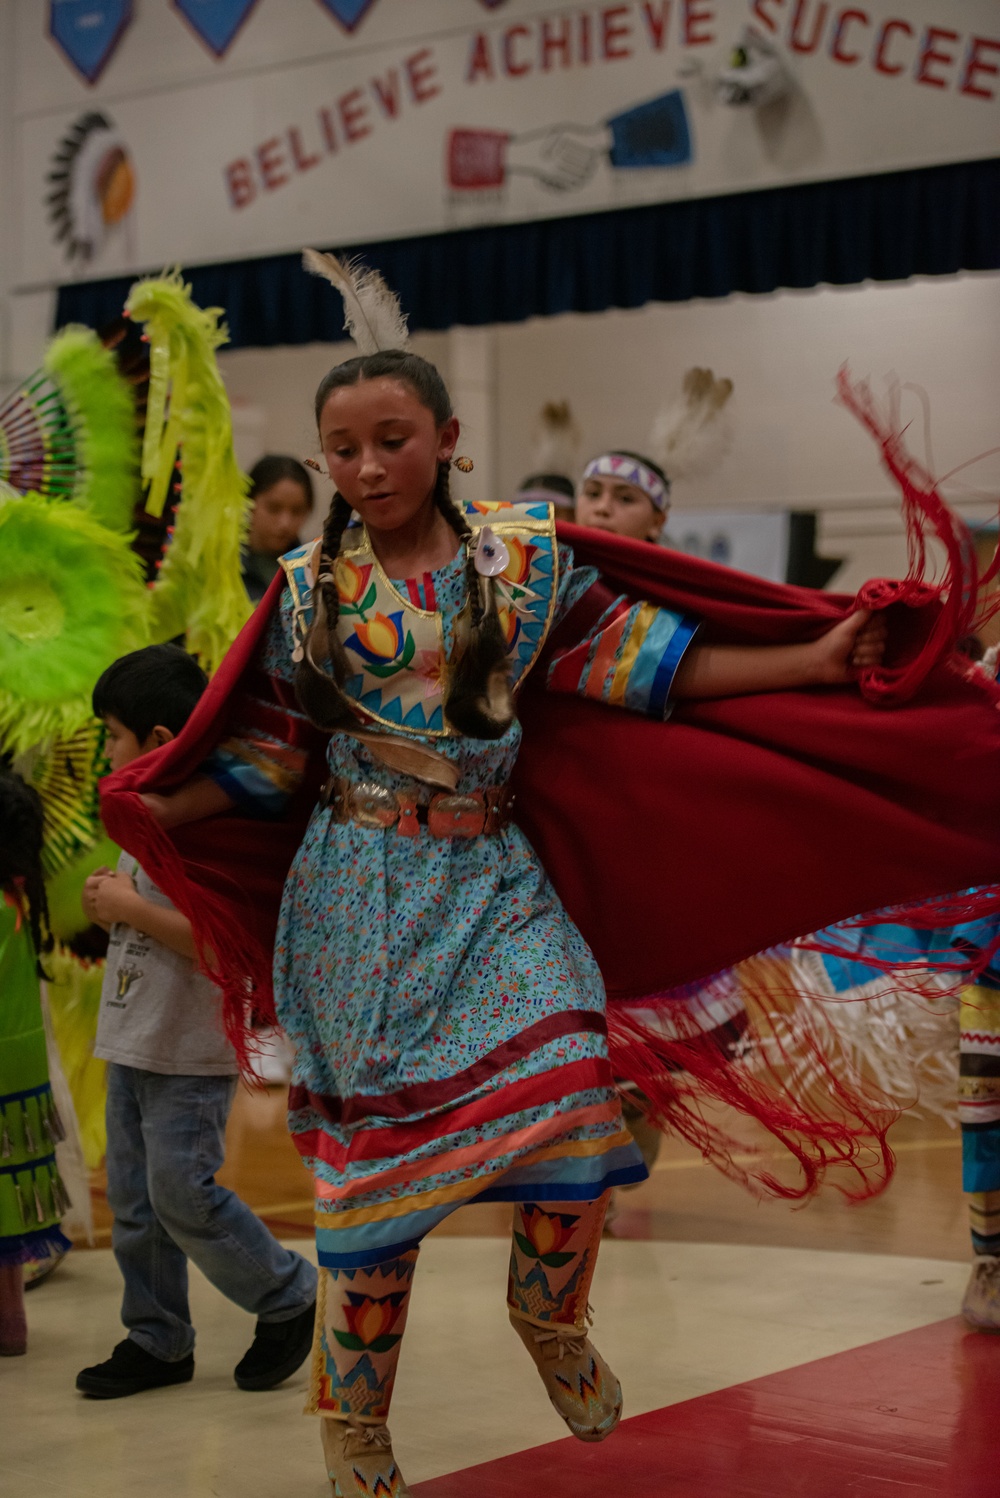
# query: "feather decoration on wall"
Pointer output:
{"type": "Point", "coordinates": [556, 440]}
{"type": "Point", "coordinates": [372, 314]}
{"type": "Point", "coordinates": [692, 433]}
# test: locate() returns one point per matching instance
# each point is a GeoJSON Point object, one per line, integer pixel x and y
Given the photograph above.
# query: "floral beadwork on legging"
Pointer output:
{"type": "Point", "coordinates": [360, 1320]}
{"type": "Point", "coordinates": [552, 1259]}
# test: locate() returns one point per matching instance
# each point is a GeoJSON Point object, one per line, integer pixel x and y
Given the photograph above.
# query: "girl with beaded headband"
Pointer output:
{"type": "Point", "coordinates": [448, 1017]}
{"type": "Point", "coordinates": [627, 494]}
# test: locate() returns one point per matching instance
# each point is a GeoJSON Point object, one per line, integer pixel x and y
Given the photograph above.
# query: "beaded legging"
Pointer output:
{"type": "Point", "coordinates": [361, 1313]}
{"type": "Point", "coordinates": [979, 1112]}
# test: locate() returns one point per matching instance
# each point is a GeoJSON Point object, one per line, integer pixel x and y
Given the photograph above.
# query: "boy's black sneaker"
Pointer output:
{"type": "Point", "coordinates": [130, 1370]}
{"type": "Point", "coordinates": [277, 1350]}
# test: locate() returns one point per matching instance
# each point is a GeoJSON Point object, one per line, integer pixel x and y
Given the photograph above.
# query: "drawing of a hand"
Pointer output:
{"type": "Point", "coordinates": [563, 157]}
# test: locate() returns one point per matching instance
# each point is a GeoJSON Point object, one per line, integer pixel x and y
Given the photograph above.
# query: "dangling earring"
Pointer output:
{"type": "Point", "coordinates": [464, 465]}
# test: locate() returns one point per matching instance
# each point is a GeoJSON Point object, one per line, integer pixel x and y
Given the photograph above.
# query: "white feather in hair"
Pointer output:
{"type": "Point", "coordinates": [693, 433]}
{"type": "Point", "coordinates": [372, 314]}
{"type": "Point", "coordinates": [557, 439]}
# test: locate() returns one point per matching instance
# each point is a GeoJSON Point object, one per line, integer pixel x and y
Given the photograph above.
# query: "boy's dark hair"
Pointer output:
{"type": "Point", "coordinates": [157, 685]}
{"type": "Point", "coordinates": [22, 824]}
{"type": "Point", "coordinates": [557, 482]}
{"type": "Point", "coordinates": [272, 468]}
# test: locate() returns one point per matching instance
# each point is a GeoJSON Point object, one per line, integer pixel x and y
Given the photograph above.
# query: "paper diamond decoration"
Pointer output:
{"type": "Point", "coordinates": [350, 13]}
{"type": "Point", "coordinates": [215, 21]}
{"type": "Point", "coordinates": [88, 31]}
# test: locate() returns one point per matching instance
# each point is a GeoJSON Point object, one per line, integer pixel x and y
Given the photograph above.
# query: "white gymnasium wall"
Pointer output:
{"type": "Point", "coordinates": [794, 448]}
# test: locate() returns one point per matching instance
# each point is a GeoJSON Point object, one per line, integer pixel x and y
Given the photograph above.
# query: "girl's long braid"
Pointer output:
{"type": "Point", "coordinates": [38, 916]}
{"type": "Point", "coordinates": [479, 701]}
{"type": "Point", "coordinates": [333, 534]}
{"type": "Point", "coordinates": [22, 822]}
{"type": "Point", "coordinates": [449, 509]}
{"type": "Point", "coordinates": [461, 528]}
{"type": "Point", "coordinates": [319, 693]}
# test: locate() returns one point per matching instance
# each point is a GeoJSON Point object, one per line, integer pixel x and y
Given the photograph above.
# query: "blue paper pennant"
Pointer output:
{"type": "Point", "coordinates": [215, 21]}
{"type": "Point", "coordinates": [88, 31]}
{"type": "Point", "coordinates": [350, 13]}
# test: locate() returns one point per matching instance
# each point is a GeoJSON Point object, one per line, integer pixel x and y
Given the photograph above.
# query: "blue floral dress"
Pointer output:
{"type": "Point", "coordinates": [447, 1016]}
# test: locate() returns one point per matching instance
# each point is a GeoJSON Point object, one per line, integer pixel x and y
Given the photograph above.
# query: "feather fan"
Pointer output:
{"type": "Point", "coordinates": [372, 314]}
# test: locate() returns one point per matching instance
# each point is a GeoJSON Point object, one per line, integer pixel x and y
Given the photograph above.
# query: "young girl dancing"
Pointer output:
{"type": "Point", "coordinates": [447, 1015]}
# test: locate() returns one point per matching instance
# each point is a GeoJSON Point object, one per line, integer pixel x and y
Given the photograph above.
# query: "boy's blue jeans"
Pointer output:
{"type": "Point", "coordinates": [166, 1140]}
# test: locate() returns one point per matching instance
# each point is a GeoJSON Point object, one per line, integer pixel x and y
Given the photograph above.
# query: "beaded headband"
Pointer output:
{"type": "Point", "coordinates": [630, 471]}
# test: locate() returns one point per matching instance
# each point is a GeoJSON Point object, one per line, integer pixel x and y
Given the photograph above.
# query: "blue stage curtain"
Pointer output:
{"type": "Point", "coordinates": [932, 222]}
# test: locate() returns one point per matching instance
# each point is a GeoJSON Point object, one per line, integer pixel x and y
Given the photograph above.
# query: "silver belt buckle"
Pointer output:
{"type": "Point", "coordinates": [373, 806]}
{"type": "Point", "coordinates": [456, 816]}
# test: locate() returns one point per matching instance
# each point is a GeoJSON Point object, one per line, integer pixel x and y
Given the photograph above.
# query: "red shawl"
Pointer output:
{"type": "Point", "coordinates": [747, 821]}
{"type": "Point", "coordinates": [677, 848]}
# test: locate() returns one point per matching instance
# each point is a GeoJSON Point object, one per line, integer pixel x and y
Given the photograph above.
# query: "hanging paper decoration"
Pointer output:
{"type": "Point", "coordinates": [216, 22]}
{"type": "Point", "coordinates": [88, 31]}
{"type": "Point", "coordinates": [350, 13]}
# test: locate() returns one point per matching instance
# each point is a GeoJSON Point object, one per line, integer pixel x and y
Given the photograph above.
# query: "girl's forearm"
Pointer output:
{"type": "Point", "coordinates": [835, 659]}
{"type": "Point", "coordinates": [735, 670]}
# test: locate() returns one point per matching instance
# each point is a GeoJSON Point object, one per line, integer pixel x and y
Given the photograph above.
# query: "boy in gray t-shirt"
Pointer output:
{"type": "Point", "coordinates": [157, 1011]}
{"type": "Point", "coordinates": [171, 1079]}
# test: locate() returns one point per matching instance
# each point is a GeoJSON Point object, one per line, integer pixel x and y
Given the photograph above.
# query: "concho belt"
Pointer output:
{"type": "Point", "coordinates": [480, 813]}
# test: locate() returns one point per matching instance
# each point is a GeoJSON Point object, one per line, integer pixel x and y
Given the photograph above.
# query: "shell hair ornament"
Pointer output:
{"type": "Point", "coordinates": [492, 557]}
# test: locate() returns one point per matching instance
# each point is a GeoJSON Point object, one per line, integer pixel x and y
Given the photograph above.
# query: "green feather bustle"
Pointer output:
{"type": "Point", "coordinates": [72, 599]}
{"type": "Point", "coordinates": [199, 591]}
{"type": "Point", "coordinates": [101, 412]}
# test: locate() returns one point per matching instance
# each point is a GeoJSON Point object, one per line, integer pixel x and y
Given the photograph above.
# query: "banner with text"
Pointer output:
{"type": "Point", "coordinates": [511, 112]}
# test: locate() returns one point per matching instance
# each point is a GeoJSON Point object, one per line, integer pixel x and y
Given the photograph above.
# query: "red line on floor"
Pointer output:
{"type": "Point", "coordinates": [913, 1416]}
